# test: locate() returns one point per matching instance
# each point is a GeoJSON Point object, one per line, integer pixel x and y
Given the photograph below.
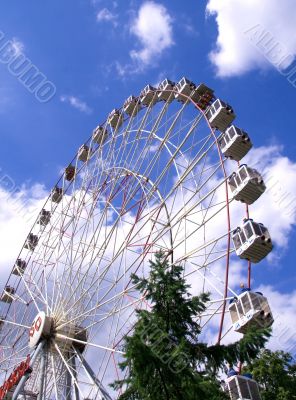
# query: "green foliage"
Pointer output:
{"type": "Point", "coordinates": [275, 372]}
{"type": "Point", "coordinates": [163, 357]}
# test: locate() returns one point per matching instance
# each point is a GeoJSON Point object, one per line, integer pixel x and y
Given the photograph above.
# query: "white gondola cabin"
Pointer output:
{"type": "Point", "coordinates": [100, 135]}
{"type": "Point", "coordinates": [70, 172]}
{"type": "Point", "coordinates": [250, 309]}
{"type": "Point", "coordinates": [184, 89]}
{"type": "Point", "coordinates": [83, 153]}
{"type": "Point", "coordinates": [220, 115]}
{"type": "Point", "coordinates": [149, 96]}
{"type": "Point", "coordinates": [19, 267]}
{"type": "Point", "coordinates": [132, 106]}
{"type": "Point", "coordinates": [235, 143]}
{"type": "Point", "coordinates": [56, 194]}
{"type": "Point", "coordinates": [246, 184]}
{"type": "Point", "coordinates": [202, 95]}
{"type": "Point", "coordinates": [165, 89]}
{"type": "Point", "coordinates": [252, 241]}
{"type": "Point", "coordinates": [115, 119]}
{"type": "Point", "coordinates": [31, 242]}
{"type": "Point", "coordinates": [44, 217]}
{"type": "Point", "coordinates": [241, 387]}
{"type": "Point", "coordinates": [7, 295]}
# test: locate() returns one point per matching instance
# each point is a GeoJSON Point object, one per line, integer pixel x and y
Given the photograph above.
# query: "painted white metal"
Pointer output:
{"type": "Point", "coordinates": [19, 267]}
{"type": "Point", "coordinates": [56, 194]}
{"type": "Point", "coordinates": [44, 217]}
{"type": "Point", "coordinates": [166, 90]}
{"type": "Point", "coordinates": [41, 329]}
{"type": "Point", "coordinates": [149, 96]}
{"type": "Point", "coordinates": [115, 119]}
{"type": "Point", "coordinates": [184, 89]}
{"type": "Point", "coordinates": [220, 115]}
{"type": "Point", "coordinates": [250, 309]}
{"type": "Point", "coordinates": [202, 95]}
{"type": "Point", "coordinates": [100, 135]}
{"type": "Point", "coordinates": [242, 388]}
{"type": "Point", "coordinates": [246, 184]}
{"type": "Point", "coordinates": [8, 294]}
{"type": "Point", "coordinates": [132, 106]}
{"type": "Point", "coordinates": [252, 241]}
{"type": "Point", "coordinates": [235, 143]}
{"type": "Point", "coordinates": [31, 242]}
{"type": "Point", "coordinates": [84, 153]}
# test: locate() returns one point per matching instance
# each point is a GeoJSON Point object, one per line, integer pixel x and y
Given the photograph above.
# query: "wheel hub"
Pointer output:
{"type": "Point", "coordinates": [66, 335]}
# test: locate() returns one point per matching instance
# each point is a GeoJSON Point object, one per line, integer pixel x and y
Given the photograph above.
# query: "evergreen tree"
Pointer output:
{"type": "Point", "coordinates": [163, 357]}
{"type": "Point", "coordinates": [275, 372]}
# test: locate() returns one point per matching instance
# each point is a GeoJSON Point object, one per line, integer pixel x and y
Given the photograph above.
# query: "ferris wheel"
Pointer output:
{"type": "Point", "coordinates": [162, 173]}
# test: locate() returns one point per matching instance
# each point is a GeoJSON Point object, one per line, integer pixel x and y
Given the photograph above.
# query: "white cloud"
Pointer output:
{"type": "Point", "coordinates": [20, 206]}
{"type": "Point", "coordinates": [17, 46]}
{"type": "Point", "coordinates": [283, 306]}
{"type": "Point", "coordinates": [153, 28]}
{"type": "Point", "coordinates": [14, 48]}
{"type": "Point", "coordinates": [105, 15]}
{"type": "Point", "coordinates": [76, 103]}
{"type": "Point", "coordinates": [280, 177]}
{"type": "Point", "coordinates": [235, 53]}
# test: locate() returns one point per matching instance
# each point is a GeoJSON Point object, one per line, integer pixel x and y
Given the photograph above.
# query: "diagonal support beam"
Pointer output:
{"type": "Point", "coordinates": [92, 375]}
{"type": "Point", "coordinates": [22, 382]}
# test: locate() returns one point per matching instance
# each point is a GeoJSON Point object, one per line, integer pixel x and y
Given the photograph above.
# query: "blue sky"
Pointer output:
{"type": "Point", "coordinates": [97, 53]}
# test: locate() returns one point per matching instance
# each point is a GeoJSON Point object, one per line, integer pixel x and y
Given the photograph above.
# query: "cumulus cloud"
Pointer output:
{"type": "Point", "coordinates": [153, 29]}
{"type": "Point", "coordinates": [235, 51]}
{"type": "Point", "coordinates": [105, 15]}
{"type": "Point", "coordinates": [279, 174]}
{"type": "Point", "coordinates": [283, 306]}
{"type": "Point", "coordinates": [75, 102]}
{"type": "Point", "coordinates": [20, 206]}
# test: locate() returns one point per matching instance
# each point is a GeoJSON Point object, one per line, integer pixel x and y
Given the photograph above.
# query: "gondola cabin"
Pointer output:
{"type": "Point", "coordinates": [31, 242]}
{"type": "Point", "coordinates": [235, 143]}
{"type": "Point", "coordinates": [165, 90]}
{"type": "Point", "coordinates": [44, 217]}
{"type": "Point", "coordinates": [242, 387]}
{"type": "Point", "coordinates": [56, 194]}
{"type": "Point", "coordinates": [132, 106]}
{"type": "Point", "coordinates": [100, 135]}
{"type": "Point", "coordinates": [149, 96]}
{"type": "Point", "coordinates": [202, 95]}
{"type": "Point", "coordinates": [19, 267]}
{"type": "Point", "coordinates": [115, 119]}
{"type": "Point", "coordinates": [83, 153]}
{"type": "Point", "coordinates": [250, 309]}
{"type": "Point", "coordinates": [252, 241]}
{"type": "Point", "coordinates": [184, 89]}
{"type": "Point", "coordinates": [246, 184]}
{"type": "Point", "coordinates": [220, 115]}
{"type": "Point", "coordinates": [70, 172]}
{"type": "Point", "coordinates": [7, 295]}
